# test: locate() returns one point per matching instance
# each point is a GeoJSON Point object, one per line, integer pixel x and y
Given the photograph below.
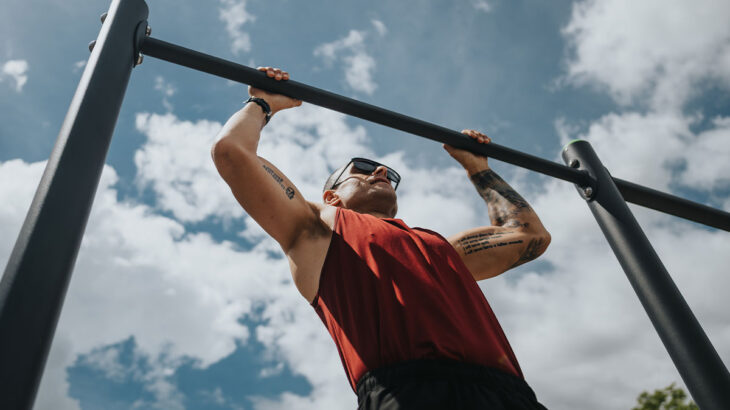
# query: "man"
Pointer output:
{"type": "Point", "coordinates": [412, 327]}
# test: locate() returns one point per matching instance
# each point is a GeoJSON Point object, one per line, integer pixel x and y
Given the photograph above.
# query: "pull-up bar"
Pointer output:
{"type": "Point", "coordinates": [38, 271]}
{"type": "Point", "coordinates": [637, 194]}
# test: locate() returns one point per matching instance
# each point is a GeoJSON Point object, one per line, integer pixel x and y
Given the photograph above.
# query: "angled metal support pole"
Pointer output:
{"type": "Point", "coordinates": [37, 274]}
{"type": "Point", "coordinates": [698, 363]}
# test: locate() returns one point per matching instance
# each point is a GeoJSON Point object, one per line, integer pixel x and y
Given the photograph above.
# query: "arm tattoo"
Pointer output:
{"type": "Point", "coordinates": [483, 241]}
{"type": "Point", "coordinates": [534, 249]}
{"type": "Point", "coordinates": [287, 189]}
{"type": "Point", "coordinates": [505, 206]}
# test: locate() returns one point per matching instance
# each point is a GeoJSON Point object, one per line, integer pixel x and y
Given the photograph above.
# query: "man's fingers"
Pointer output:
{"type": "Point", "coordinates": [270, 71]}
{"type": "Point", "coordinates": [275, 73]}
{"type": "Point", "coordinates": [281, 74]}
{"type": "Point", "coordinates": [481, 138]}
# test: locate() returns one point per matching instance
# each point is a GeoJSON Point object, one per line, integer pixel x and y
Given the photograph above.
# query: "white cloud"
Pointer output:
{"type": "Point", "coordinates": [129, 260]}
{"type": "Point", "coordinates": [482, 5]}
{"type": "Point", "coordinates": [234, 14]}
{"type": "Point", "coordinates": [654, 49]}
{"type": "Point", "coordinates": [706, 158]}
{"type": "Point", "coordinates": [180, 295]}
{"type": "Point", "coordinates": [359, 72]}
{"type": "Point", "coordinates": [623, 140]}
{"type": "Point", "coordinates": [53, 390]}
{"type": "Point", "coordinates": [167, 90]}
{"type": "Point", "coordinates": [185, 182]}
{"type": "Point", "coordinates": [79, 65]}
{"type": "Point", "coordinates": [379, 27]}
{"type": "Point", "coordinates": [654, 54]}
{"type": "Point", "coordinates": [16, 70]}
{"type": "Point", "coordinates": [359, 65]}
{"type": "Point", "coordinates": [585, 313]}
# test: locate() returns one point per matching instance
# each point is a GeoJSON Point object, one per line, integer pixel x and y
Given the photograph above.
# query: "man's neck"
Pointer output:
{"type": "Point", "coordinates": [374, 212]}
{"type": "Point", "coordinates": [377, 214]}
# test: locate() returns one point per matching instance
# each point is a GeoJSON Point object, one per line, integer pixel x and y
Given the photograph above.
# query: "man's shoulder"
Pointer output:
{"type": "Point", "coordinates": [323, 217]}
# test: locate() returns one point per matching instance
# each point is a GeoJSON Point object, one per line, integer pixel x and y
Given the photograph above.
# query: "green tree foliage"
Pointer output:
{"type": "Point", "coordinates": [669, 398]}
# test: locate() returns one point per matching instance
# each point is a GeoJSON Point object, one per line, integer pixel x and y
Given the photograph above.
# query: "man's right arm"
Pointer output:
{"type": "Point", "coordinates": [266, 194]}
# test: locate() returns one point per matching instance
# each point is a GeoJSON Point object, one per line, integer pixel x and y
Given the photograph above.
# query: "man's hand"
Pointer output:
{"type": "Point", "coordinates": [277, 102]}
{"type": "Point", "coordinates": [471, 162]}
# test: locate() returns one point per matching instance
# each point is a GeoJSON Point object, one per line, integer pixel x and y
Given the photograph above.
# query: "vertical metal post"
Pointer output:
{"type": "Point", "coordinates": [698, 363]}
{"type": "Point", "coordinates": [37, 274]}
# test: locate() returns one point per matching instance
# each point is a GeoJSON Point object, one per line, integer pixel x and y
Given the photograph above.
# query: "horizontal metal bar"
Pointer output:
{"type": "Point", "coordinates": [247, 75]}
{"type": "Point", "coordinates": [673, 205]}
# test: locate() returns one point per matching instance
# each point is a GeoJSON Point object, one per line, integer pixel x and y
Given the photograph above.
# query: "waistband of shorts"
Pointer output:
{"type": "Point", "coordinates": [440, 369]}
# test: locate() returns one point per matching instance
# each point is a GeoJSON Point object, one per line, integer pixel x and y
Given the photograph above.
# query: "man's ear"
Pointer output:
{"type": "Point", "coordinates": [330, 197]}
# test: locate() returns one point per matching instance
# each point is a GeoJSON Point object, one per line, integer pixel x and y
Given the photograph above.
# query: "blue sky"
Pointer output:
{"type": "Point", "coordinates": [179, 300]}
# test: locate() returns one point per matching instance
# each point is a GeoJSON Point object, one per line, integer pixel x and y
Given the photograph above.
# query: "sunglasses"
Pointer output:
{"type": "Point", "coordinates": [366, 166]}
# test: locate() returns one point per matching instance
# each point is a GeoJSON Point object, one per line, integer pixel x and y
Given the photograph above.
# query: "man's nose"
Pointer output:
{"type": "Point", "coordinates": [381, 170]}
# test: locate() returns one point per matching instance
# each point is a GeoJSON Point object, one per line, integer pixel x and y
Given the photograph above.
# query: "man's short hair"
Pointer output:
{"type": "Point", "coordinates": [332, 177]}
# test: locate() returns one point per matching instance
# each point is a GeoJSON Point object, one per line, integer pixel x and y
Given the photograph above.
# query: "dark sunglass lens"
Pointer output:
{"type": "Point", "coordinates": [393, 176]}
{"type": "Point", "coordinates": [367, 167]}
{"type": "Point", "coordinates": [363, 167]}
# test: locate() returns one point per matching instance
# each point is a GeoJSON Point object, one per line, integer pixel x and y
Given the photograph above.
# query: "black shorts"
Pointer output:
{"type": "Point", "coordinates": [443, 385]}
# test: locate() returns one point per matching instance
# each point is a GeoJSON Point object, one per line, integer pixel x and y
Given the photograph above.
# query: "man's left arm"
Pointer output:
{"type": "Point", "coordinates": [516, 235]}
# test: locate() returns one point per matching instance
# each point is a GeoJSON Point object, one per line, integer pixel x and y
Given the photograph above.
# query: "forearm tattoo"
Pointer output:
{"type": "Point", "coordinates": [482, 241]}
{"type": "Point", "coordinates": [506, 207]}
{"type": "Point", "coordinates": [289, 191]}
{"type": "Point", "coordinates": [534, 249]}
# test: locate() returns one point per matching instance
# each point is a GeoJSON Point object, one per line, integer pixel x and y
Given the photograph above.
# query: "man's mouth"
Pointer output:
{"type": "Point", "coordinates": [380, 180]}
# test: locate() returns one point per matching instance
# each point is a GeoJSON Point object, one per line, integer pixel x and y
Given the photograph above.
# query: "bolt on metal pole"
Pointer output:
{"type": "Point", "coordinates": [36, 277]}
{"type": "Point", "coordinates": [698, 363]}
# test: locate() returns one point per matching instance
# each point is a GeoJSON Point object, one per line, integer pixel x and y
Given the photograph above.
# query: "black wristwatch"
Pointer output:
{"type": "Point", "coordinates": [263, 104]}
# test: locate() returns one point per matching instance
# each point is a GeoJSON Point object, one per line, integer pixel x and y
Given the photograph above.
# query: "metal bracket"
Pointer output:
{"type": "Point", "coordinates": [587, 192]}
{"type": "Point", "coordinates": [143, 30]}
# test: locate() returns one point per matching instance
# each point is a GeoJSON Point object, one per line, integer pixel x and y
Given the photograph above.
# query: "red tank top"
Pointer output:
{"type": "Point", "coordinates": [390, 293]}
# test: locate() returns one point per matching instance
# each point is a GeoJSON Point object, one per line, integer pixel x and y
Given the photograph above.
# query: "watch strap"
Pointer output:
{"type": "Point", "coordinates": [263, 104]}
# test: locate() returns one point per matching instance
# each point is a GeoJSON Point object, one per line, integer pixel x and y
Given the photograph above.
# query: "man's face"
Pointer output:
{"type": "Point", "coordinates": [365, 191]}
{"type": "Point", "coordinates": [378, 175]}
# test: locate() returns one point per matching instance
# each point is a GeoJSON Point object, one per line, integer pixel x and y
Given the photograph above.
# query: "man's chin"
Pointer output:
{"type": "Point", "coordinates": [382, 192]}
{"type": "Point", "coordinates": [382, 187]}
{"type": "Point", "coordinates": [385, 198]}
